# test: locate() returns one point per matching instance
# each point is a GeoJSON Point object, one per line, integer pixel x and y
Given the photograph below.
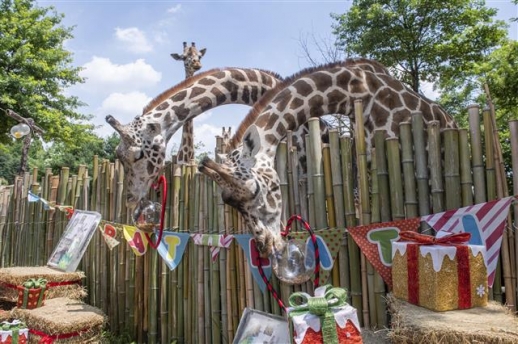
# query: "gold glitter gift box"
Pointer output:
{"type": "Point", "coordinates": [439, 277]}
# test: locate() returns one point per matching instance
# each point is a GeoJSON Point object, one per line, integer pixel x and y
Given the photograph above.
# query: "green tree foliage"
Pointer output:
{"type": "Point", "coordinates": [59, 154]}
{"type": "Point", "coordinates": [421, 40]}
{"type": "Point", "coordinates": [499, 71]}
{"type": "Point", "coordinates": [56, 156]}
{"type": "Point", "coordinates": [35, 71]}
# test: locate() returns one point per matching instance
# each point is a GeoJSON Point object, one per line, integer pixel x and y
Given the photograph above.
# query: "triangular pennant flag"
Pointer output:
{"type": "Point", "coordinates": [109, 233]}
{"type": "Point", "coordinates": [247, 243]}
{"type": "Point", "coordinates": [375, 241]}
{"type": "Point", "coordinates": [328, 241]}
{"type": "Point", "coordinates": [136, 239]}
{"type": "Point", "coordinates": [32, 197]}
{"type": "Point", "coordinates": [214, 241]}
{"type": "Point", "coordinates": [484, 221]}
{"type": "Point", "coordinates": [172, 246]}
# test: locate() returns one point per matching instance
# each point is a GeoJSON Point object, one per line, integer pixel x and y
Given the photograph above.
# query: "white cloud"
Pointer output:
{"type": "Point", "coordinates": [428, 91]}
{"type": "Point", "coordinates": [101, 73]}
{"type": "Point", "coordinates": [123, 106]}
{"type": "Point", "coordinates": [203, 117]}
{"type": "Point", "coordinates": [175, 9]}
{"type": "Point", "coordinates": [206, 133]}
{"type": "Point", "coordinates": [134, 39]}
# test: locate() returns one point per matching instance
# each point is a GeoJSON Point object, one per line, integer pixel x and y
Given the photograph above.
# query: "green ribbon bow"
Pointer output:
{"type": "Point", "coordinates": [321, 307]}
{"type": "Point", "coordinates": [34, 283]}
{"type": "Point", "coordinates": [14, 327]}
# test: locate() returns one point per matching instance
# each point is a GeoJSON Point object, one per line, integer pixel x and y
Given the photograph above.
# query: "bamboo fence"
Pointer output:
{"type": "Point", "coordinates": [201, 301]}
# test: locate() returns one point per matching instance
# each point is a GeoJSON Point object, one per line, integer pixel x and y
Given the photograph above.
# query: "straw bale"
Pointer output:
{"type": "Point", "coordinates": [492, 324]}
{"type": "Point", "coordinates": [64, 316]}
{"type": "Point", "coordinates": [18, 275]}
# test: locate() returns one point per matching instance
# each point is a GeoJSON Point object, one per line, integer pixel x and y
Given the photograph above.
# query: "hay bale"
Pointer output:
{"type": "Point", "coordinates": [413, 324]}
{"type": "Point", "coordinates": [59, 283]}
{"type": "Point", "coordinates": [64, 320]}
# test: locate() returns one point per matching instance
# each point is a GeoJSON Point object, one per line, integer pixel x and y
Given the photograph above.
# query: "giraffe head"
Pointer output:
{"type": "Point", "coordinates": [191, 58]}
{"type": "Point", "coordinates": [250, 184]}
{"type": "Point", "coordinates": [141, 151]}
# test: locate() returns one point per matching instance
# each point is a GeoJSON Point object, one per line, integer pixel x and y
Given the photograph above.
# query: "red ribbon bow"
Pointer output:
{"type": "Point", "coordinates": [452, 239]}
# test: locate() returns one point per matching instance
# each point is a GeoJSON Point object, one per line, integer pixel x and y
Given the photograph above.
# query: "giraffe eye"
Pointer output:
{"type": "Point", "coordinates": [139, 154]}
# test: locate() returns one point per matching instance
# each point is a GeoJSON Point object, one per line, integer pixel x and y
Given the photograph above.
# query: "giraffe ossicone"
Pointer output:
{"type": "Point", "coordinates": [248, 179]}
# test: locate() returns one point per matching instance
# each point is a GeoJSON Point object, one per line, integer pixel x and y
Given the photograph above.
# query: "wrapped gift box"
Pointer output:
{"type": "Point", "coordinates": [324, 318]}
{"type": "Point", "coordinates": [440, 277]}
{"type": "Point", "coordinates": [32, 293]}
{"type": "Point", "coordinates": [14, 332]}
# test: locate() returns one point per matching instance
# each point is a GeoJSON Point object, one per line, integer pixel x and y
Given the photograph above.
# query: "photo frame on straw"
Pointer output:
{"type": "Point", "coordinates": [75, 240]}
{"type": "Point", "coordinates": [260, 327]}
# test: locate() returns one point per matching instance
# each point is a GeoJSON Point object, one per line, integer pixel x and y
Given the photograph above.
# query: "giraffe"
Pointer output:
{"type": "Point", "coordinates": [191, 58]}
{"type": "Point", "coordinates": [142, 149]}
{"type": "Point", "coordinates": [248, 179]}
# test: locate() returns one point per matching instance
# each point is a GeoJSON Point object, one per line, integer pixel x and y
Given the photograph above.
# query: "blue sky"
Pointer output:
{"type": "Point", "coordinates": [125, 46]}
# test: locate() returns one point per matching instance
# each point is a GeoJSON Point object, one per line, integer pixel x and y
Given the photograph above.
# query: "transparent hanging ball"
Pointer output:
{"type": "Point", "coordinates": [295, 264]}
{"type": "Point", "coordinates": [146, 216]}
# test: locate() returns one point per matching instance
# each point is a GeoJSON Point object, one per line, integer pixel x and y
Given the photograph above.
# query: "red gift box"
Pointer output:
{"type": "Point", "coordinates": [32, 293]}
{"type": "Point", "coordinates": [314, 320]}
{"type": "Point", "coordinates": [14, 332]}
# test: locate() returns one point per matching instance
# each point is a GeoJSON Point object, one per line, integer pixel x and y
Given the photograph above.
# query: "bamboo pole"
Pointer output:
{"type": "Point", "coordinates": [491, 186]}
{"type": "Point", "coordinates": [421, 167]}
{"type": "Point", "coordinates": [382, 174]}
{"type": "Point", "coordinates": [338, 200]}
{"type": "Point", "coordinates": [434, 161]}
{"type": "Point", "coordinates": [346, 150]}
{"type": "Point", "coordinates": [451, 169]}
{"type": "Point", "coordinates": [331, 208]}
{"type": "Point", "coordinates": [407, 160]}
{"type": "Point", "coordinates": [363, 185]}
{"type": "Point", "coordinates": [375, 193]}
{"type": "Point", "coordinates": [476, 152]}
{"type": "Point", "coordinates": [466, 180]}
{"type": "Point", "coordinates": [310, 190]}
{"type": "Point", "coordinates": [315, 147]}
{"type": "Point", "coordinates": [396, 187]}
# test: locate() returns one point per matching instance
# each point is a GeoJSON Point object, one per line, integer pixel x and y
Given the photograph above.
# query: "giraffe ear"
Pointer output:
{"type": "Point", "coordinates": [177, 57]}
{"type": "Point", "coordinates": [251, 141]}
{"type": "Point", "coordinates": [202, 52]}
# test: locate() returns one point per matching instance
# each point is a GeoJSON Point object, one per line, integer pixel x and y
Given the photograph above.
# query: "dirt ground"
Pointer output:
{"type": "Point", "coordinates": [375, 336]}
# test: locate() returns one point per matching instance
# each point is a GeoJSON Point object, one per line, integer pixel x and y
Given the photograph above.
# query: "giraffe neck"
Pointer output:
{"type": "Point", "coordinates": [387, 103]}
{"type": "Point", "coordinates": [186, 151]}
{"type": "Point", "coordinates": [208, 90]}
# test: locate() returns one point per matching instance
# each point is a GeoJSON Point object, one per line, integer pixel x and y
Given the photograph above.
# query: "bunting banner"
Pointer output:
{"type": "Point", "coordinates": [172, 247]}
{"type": "Point", "coordinates": [109, 231]}
{"type": "Point", "coordinates": [247, 243]}
{"type": "Point", "coordinates": [136, 239]}
{"type": "Point", "coordinates": [214, 241]}
{"type": "Point", "coordinates": [375, 241]}
{"type": "Point", "coordinates": [68, 209]}
{"type": "Point", "coordinates": [328, 241]}
{"type": "Point", "coordinates": [484, 221]}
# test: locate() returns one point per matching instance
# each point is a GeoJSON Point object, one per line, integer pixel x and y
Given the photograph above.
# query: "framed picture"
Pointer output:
{"type": "Point", "coordinates": [260, 327]}
{"type": "Point", "coordinates": [75, 240]}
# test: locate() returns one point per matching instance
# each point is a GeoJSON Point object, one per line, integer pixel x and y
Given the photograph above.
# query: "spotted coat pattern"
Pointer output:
{"type": "Point", "coordinates": [248, 179]}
